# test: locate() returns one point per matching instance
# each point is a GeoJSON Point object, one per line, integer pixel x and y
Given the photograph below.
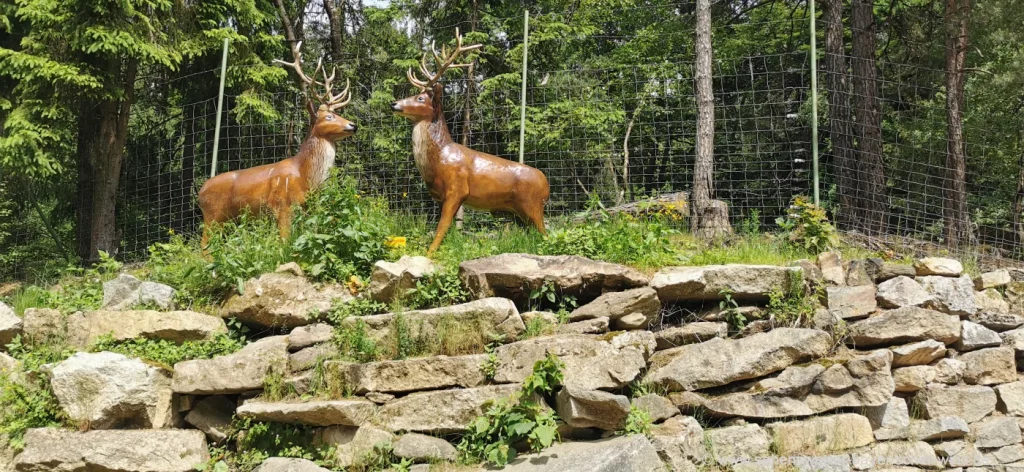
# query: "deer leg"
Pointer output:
{"type": "Point", "coordinates": [448, 209]}
{"type": "Point", "coordinates": [284, 221]}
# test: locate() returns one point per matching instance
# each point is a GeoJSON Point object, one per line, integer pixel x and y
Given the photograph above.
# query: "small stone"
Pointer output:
{"type": "Point", "coordinates": [939, 266]}
{"type": "Point", "coordinates": [993, 279]}
{"type": "Point", "coordinates": [996, 432]}
{"type": "Point", "coordinates": [949, 371]}
{"type": "Point", "coordinates": [904, 325]}
{"type": "Point", "coordinates": [287, 464]}
{"type": "Point", "coordinates": [311, 356]}
{"type": "Point", "coordinates": [890, 270]}
{"type": "Point", "coordinates": [592, 326]}
{"type": "Point", "coordinates": [680, 442]}
{"type": "Point", "coordinates": [547, 317]}
{"type": "Point", "coordinates": [10, 325]}
{"type": "Point", "coordinates": [857, 274]}
{"type": "Point", "coordinates": [657, 406]}
{"type": "Point", "coordinates": [990, 366]}
{"type": "Point", "coordinates": [690, 333]}
{"type": "Point", "coordinates": [974, 336]}
{"type": "Point", "coordinates": [379, 398]}
{"type": "Point", "coordinates": [423, 448]}
{"type": "Point", "coordinates": [615, 305]}
{"type": "Point", "coordinates": [42, 324]}
{"type": "Point", "coordinates": [950, 295]}
{"type": "Point", "coordinates": [998, 322]}
{"type": "Point", "coordinates": [352, 444]}
{"type": "Point", "coordinates": [821, 435]}
{"type": "Point", "coordinates": [1009, 454]}
{"type": "Point", "coordinates": [736, 444]}
{"type": "Point", "coordinates": [1015, 340]}
{"type": "Point", "coordinates": [305, 336]}
{"type": "Point", "coordinates": [212, 415]}
{"type": "Point", "coordinates": [991, 301]}
{"type": "Point", "coordinates": [912, 379]}
{"type": "Point", "coordinates": [948, 427]}
{"type": "Point", "coordinates": [633, 321]}
{"type": "Point", "coordinates": [831, 266]}
{"type": "Point", "coordinates": [904, 453]}
{"type": "Point", "coordinates": [391, 280]}
{"type": "Point", "coordinates": [290, 268]}
{"type": "Point", "coordinates": [971, 403]}
{"type": "Point", "coordinates": [591, 408]}
{"type": "Point", "coordinates": [962, 454]}
{"type": "Point", "coordinates": [812, 274]}
{"type": "Point", "coordinates": [892, 415]}
{"type": "Point", "coordinates": [900, 292]}
{"type": "Point", "coordinates": [1011, 398]}
{"type": "Point", "coordinates": [851, 302]}
{"type": "Point", "coordinates": [919, 353]}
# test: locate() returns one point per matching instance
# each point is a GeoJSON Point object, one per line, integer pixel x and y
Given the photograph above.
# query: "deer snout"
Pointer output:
{"type": "Point", "coordinates": [395, 106]}
{"type": "Point", "coordinates": [351, 127]}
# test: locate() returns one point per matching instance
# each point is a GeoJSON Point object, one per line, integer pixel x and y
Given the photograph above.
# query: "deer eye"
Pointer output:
{"type": "Point", "coordinates": [330, 118]}
{"type": "Point", "coordinates": [419, 99]}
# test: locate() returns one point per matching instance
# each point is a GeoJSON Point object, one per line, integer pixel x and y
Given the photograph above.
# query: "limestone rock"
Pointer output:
{"type": "Point", "coordinates": [515, 276]}
{"type": "Point", "coordinates": [657, 406]}
{"type": "Point", "coordinates": [126, 291]}
{"type": "Point", "coordinates": [10, 325]}
{"type": "Point", "coordinates": [391, 280]}
{"type": "Point", "coordinates": [84, 329]}
{"type": "Point", "coordinates": [40, 324]}
{"type": "Point", "coordinates": [592, 326]}
{"type": "Point", "coordinates": [904, 453]}
{"type": "Point", "coordinates": [993, 279]}
{"type": "Point", "coordinates": [350, 412]}
{"type": "Point", "coordinates": [990, 366]}
{"type": "Point", "coordinates": [720, 362]}
{"type": "Point", "coordinates": [996, 432]}
{"type": "Point", "coordinates": [857, 274]}
{"type": "Point", "coordinates": [813, 276]}
{"type": "Point", "coordinates": [919, 353]}
{"type": "Point", "coordinates": [423, 448]}
{"type": "Point", "coordinates": [680, 442]}
{"type": "Point", "coordinates": [632, 453]}
{"type": "Point", "coordinates": [971, 403]}
{"type": "Point", "coordinates": [900, 292]}
{"type": "Point", "coordinates": [55, 450]}
{"type": "Point", "coordinates": [914, 378]}
{"type": "Point", "coordinates": [281, 299]}
{"type": "Point", "coordinates": [893, 415]}
{"type": "Point", "coordinates": [488, 317]}
{"type": "Point", "coordinates": [633, 321]}
{"type": "Point", "coordinates": [690, 333]}
{"type": "Point", "coordinates": [441, 411]}
{"type": "Point", "coordinates": [991, 301]}
{"type": "Point", "coordinates": [939, 266]}
{"type": "Point", "coordinates": [821, 435]}
{"type": "Point", "coordinates": [310, 356]}
{"type": "Point", "coordinates": [1015, 340]}
{"type": "Point", "coordinates": [615, 305]}
{"type": "Point", "coordinates": [974, 336]}
{"type": "Point", "coordinates": [239, 372]}
{"type": "Point", "coordinates": [286, 464]}
{"type": "Point", "coordinates": [108, 391]}
{"type": "Point", "coordinates": [949, 371]}
{"type": "Point", "coordinates": [851, 302]}
{"type": "Point", "coordinates": [1011, 398]}
{"type": "Point", "coordinates": [212, 415]}
{"type": "Point", "coordinates": [950, 295]}
{"type": "Point", "coordinates": [590, 363]}
{"type": "Point", "coordinates": [352, 444]}
{"type": "Point", "coordinates": [735, 444]}
{"type": "Point", "coordinates": [831, 266]}
{"type": "Point", "coordinates": [1009, 454]}
{"type": "Point", "coordinates": [890, 270]}
{"type": "Point", "coordinates": [591, 408]}
{"type": "Point", "coordinates": [962, 454]}
{"type": "Point", "coordinates": [411, 375]}
{"type": "Point", "coordinates": [305, 336]}
{"type": "Point", "coordinates": [927, 430]}
{"type": "Point", "coordinates": [745, 282]}
{"type": "Point", "coordinates": [998, 322]}
{"type": "Point", "coordinates": [904, 325]}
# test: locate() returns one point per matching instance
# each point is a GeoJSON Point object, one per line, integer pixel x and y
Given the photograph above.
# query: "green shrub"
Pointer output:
{"type": "Point", "coordinates": [791, 305]}
{"type": "Point", "coordinates": [167, 353]}
{"type": "Point", "coordinates": [243, 249]}
{"type": "Point", "coordinates": [806, 226]}
{"type": "Point", "coordinates": [180, 264]}
{"type": "Point", "coordinates": [571, 241]}
{"type": "Point", "coordinates": [25, 397]}
{"type": "Point", "coordinates": [257, 441]}
{"type": "Point", "coordinates": [442, 288]}
{"type": "Point", "coordinates": [354, 344]}
{"type": "Point", "coordinates": [492, 437]}
{"type": "Point", "coordinates": [623, 239]}
{"type": "Point", "coordinates": [638, 422]}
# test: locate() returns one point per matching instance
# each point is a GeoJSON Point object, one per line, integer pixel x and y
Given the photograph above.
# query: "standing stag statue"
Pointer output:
{"type": "Point", "coordinates": [455, 174]}
{"type": "Point", "coordinates": [274, 188]}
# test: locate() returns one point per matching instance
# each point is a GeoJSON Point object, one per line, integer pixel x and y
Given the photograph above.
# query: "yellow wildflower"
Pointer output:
{"type": "Point", "coordinates": [394, 242]}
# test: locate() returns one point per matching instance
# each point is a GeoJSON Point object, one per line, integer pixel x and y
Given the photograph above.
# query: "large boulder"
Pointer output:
{"type": "Point", "coordinates": [411, 375]}
{"type": "Point", "coordinates": [821, 435]}
{"type": "Point", "coordinates": [516, 276]}
{"type": "Point", "coordinates": [350, 412]}
{"type": "Point", "coordinates": [10, 325]}
{"type": "Point", "coordinates": [591, 363]}
{"type": "Point", "coordinates": [971, 403]}
{"type": "Point", "coordinates": [487, 318]}
{"type": "Point", "coordinates": [239, 372]}
{"type": "Point", "coordinates": [900, 292]}
{"type": "Point", "coordinates": [108, 390]}
{"type": "Point", "coordinates": [632, 453]}
{"type": "Point", "coordinates": [990, 366]}
{"type": "Point", "coordinates": [125, 292]}
{"type": "Point", "coordinates": [690, 333]}
{"type": "Point", "coordinates": [720, 362]}
{"type": "Point", "coordinates": [939, 266]}
{"type": "Point", "coordinates": [441, 411]}
{"type": "Point", "coordinates": [851, 302]}
{"type": "Point", "coordinates": [950, 295]}
{"type": "Point", "coordinates": [391, 280]}
{"type": "Point", "coordinates": [55, 450]}
{"type": "Point", "coordinates": [744, 282]}
{"type": "Point", "coordinates": [618, 305]}
{"type": "Point", "coordinates": [287, 464]}
{"type": "Point", "coordinates": [176, 326]}
{"type": "Point", "coordinates": [581, 408]}
{"type": "Point", "coordinates": [282, 299]}
{"type": "Point", "coordinates": [904, 325]}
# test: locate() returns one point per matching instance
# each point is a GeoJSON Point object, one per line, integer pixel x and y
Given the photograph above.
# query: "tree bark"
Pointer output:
{"type": "Point", "coordinates": [840, 122]}
{"type": "Point", "coordinates": [87, 132]}
{"type": "Point", "coordinates": [958, 228]}
{"type": "Point", "coordinates": [871, 168]}
{"type": "Point", "coordinates": [336, 19]}
{"type": "Point", "coordinates": [1018, 200]}
{"type": "Point", "coordinates": [706, 222]}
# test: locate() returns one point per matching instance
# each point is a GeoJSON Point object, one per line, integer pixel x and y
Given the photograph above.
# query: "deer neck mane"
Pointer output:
{"type": "Point", "coordinates": [428, 139]}
{"type": "Point", "coordinates": [316, 158]}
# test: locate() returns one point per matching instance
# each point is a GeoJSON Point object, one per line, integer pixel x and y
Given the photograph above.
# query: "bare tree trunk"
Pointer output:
{"type": "Point", "coordinates": [1018, 200]}
{"type": "Point", "coordinates": [87, 132]}
{"type": "Point", "coordinates": [871, 168]}
{"type": "Point", "coordinates": [707, 218]}
{"type": "Point", "coordinates": [958, 228]}
{"type": "Point", "coordinates": [840, 122]}
{"type": "Point", "coordinates": [336, 19]}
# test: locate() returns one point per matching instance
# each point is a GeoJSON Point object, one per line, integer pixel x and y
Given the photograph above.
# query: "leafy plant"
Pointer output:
{"type": "Point", "coordinates": [240, 250]}
{"type": "Point", "coordinates": [442, 288]}
{"type": "Point", "coordinates": [806, 226]}
{"type": "Point", "coordinates": [167, 353]}
{"type": "Point", "coordinates": [25, 397]}
{"type": "Point", "coordinates": [520, 418]}
{"type": "Point", "coordinates": [547, 295]}
{"type": "Point", "coordinates": [751, 224]}
{"type": "Point", "coordinates": [730, 309]}
{"type": "Point", "coordinates": [637, 422]}
{"type": "Point", "coordinates": [792, 304]}
{"type": "Point", "coordinates": [354, 343]}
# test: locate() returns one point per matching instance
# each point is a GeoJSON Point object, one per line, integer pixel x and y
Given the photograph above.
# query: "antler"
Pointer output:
{"type": "Point", "coordinates": [332, 101]}
{"type": "Point", "coordinates": [296, 64]}
{"type": "Point", "coordinates": [442, 64]}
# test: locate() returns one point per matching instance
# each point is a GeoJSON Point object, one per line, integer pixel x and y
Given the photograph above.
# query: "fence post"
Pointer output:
{"type": "Point", "coordinates": [220, 103]}
{"type": "Point", "coordinates": [522, 98]}
{"type": "Point", "coordinates": [814, 104]}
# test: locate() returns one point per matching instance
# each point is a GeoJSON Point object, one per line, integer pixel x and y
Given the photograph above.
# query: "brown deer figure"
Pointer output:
{"type": "Point", "coordinates": [455, 174]}
{"type": "Point", "coordinates": [275, 188]}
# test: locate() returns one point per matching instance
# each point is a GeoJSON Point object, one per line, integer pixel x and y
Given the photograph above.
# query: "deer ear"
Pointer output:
{"type": "Point", "coordinates": [437, 101]}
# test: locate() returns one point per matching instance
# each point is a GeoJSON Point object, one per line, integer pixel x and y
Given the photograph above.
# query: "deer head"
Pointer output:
{"type": "Point", "coordinates": [428, 104]}
{"type": "Point", "coordinates": [325, 123]}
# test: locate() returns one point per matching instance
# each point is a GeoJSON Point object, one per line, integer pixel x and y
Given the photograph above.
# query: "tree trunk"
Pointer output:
{"type": "Point", "coordinates": [336, 19]}
{"type": "Point", "coordinates": [958, 229]}
{"type": "Point", "coordinates": [840, 123]}
{"type": "Point", "coordinates": [1018, 200]}
{"type": "Point", "coordinates": [706, 222]}
{"type": "Point", "coordinates": [87, 132]}
{"type": "Point", "coordinates": [871, 168]}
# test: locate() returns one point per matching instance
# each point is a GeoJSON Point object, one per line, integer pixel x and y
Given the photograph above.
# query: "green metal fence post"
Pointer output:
{"type": "Point", "coordinates": [814, 104]}
{"type": "Point", "coordinates": [220, 103]}
{"type": "Point", "coordinates": [522, 98]}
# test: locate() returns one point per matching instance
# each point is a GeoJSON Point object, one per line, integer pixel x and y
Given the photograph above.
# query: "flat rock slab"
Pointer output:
{"type": "Point", "coordinates": [690, 333]}
{"type": "Point", "coordinates": [423, 448]}
{"type": "Point", "coordinates": [176, 326]}
{"type": "Point", "coordinates": [239, 372]}
{"type": "Point", "coordinates": [54, 450]}
{"type": "Point", "coordinates": [971, 403]}
{"type": "Point", "coordinates": [905, 325]}
{"type": "Point", "coordinates": [592, 408]}
{"type": "Point", "coordinates": [950, 295]}
{"type": "Point", "coordinates": [615, 305]}
{"type": "Point", "coordinates": [900, 292]}
{"type": "Point", "coordinates": [488, 317]}
{"type": "Point", "coordinates": [390, 280]}
{"type": "Point", "coordinates": [411, 375]}
{"type": "Point", "coordinates": [516, 276]}
{"type": "Point", "coordinates": [745, 282]}
{"type": "Point", "coordinates": [440, 411]}
{"type": "Point", "coordinates": [349, 412]}
{"type": "Point", "coordinates": [938, 266]}
{"type": "Point", "coordinates": [720, 362]}
{"type": "Point", "coordinates": [282, 299]}
{"type": "Point", "coordinates": [632, 453]}
{"type": "Point", "coordinates": [822, 435]}
{"type": "Point", "coordinates": [851, 302]}
{"type": "Point", "coordinates": [590, 362]}
{"type": "Point", "coordinates": [285, 464]}
{"type": "Point", "coordinates": [10, 324]}
{"type": "Point", "coordinates": [919, 353]}
{"type": "Point", "coordinates": [305, 336]}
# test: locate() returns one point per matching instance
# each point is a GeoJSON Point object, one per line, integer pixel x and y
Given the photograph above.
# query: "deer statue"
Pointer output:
{"type": "Point", "coordinates": [456, 175]}
{"type": "Point", "coordinates": [274, 188]}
